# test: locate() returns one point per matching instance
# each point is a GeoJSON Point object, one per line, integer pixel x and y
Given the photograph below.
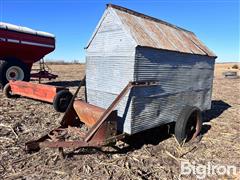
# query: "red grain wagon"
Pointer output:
{"type": "Point", "coordinates": [20, 47]}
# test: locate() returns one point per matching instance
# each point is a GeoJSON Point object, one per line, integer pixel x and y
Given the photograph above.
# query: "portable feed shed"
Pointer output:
{"type": "Point", "coordinates": [141, 73]}
{"type": "Point", "coordinates": [130, 46]}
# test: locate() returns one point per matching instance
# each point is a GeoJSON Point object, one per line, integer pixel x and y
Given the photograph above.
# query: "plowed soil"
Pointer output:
{"type": "Point", "coordinates": [153, 154]}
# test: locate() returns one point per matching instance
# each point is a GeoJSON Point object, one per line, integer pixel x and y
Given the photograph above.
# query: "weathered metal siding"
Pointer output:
{"type": "Point", "coordinates": [183, 80]}
{"type": "Point", "coordinates": [115, 57]}
{"type": "Point", "coordinates": [110, 64]}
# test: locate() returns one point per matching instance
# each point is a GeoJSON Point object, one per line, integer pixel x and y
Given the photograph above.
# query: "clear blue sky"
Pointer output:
{"type": "Point", "coordinates": [215, 22]}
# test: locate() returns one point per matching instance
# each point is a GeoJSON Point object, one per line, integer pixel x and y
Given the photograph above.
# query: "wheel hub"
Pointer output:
{"type": "Point", "coordinates": [14, 73]}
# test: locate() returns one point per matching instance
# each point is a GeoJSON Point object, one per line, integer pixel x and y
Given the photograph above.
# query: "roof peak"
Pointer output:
{"type": "Point", "coordinates": [135, 13]}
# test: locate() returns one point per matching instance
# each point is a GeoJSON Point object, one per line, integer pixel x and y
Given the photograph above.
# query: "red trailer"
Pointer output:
{"type": "Point", "coordinates": [20, 47]}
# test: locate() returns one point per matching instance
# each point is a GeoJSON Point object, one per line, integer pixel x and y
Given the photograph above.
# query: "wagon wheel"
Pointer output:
{"type": "Point", "coordinates": [12, 69]}
{"type": "Point", "coordinates": [62, 100]}
{"type": "Point", "coordinates": [7, 91]}
{"type": "Point", "coordinates": [188, 124]}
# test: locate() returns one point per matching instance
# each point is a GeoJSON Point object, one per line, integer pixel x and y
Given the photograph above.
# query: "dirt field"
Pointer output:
{"type": "Point", "coordinates": [153, 154]}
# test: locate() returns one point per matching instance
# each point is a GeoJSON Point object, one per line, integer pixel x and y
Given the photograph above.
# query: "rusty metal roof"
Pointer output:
{"type": "Point", "coordinates": [151, 32]}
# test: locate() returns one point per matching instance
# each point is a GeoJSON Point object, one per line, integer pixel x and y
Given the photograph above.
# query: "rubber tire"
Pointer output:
{"type": "Point", "coordinates": [7, 91]}
{"type": "Point", "coordinates": [4, 65]}
{"type": "Point", "coordinates": [1, 62]}
{"type": "Point", "coordinates": [182, 122]}
{"type": "Point", "coordinates": [60, 106]}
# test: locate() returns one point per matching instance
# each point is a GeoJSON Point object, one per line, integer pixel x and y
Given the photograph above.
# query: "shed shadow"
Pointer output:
{"type": "Point", "coordinates": [217, 108]}
{"type": "Point", "coordinates": [151, 136]}
{"type": "Point", "coordinates": [121, 120]}
{"type": "Point", "coordinates": [64, 83]}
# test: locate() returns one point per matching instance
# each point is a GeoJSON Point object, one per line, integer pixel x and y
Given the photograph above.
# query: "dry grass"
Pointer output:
{"type": "Point", "coordinates": [223, 67]}
{"type": "Point", "coordinates": [153, 154]}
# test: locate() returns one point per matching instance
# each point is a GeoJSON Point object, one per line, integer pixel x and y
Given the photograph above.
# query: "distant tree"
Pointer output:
{"type": "Point", "coordinates": [235, 66]}
{"type": "Point", "coordinates": [75, 61]}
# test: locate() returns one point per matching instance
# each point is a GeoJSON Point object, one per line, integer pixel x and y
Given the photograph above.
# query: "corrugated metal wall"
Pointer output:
{"type": "Point", "coordinates": [113, 61]}
{"type": "Point", "coordinates": [184, 79]}
{"type": "Point", "coordinates": [110, 65]}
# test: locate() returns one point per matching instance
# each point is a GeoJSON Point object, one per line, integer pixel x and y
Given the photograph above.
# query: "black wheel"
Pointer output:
{"type": "Point", "coordinates": [13, 69]}
{"type": "Point", "coordinates": [1, 62]}
{"type": "Point", "coordinates": [188, 124]}
{"type": "Point", "coordinates": [7, 91]}
{"type": "Point", "coordinates": [62, 100]}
